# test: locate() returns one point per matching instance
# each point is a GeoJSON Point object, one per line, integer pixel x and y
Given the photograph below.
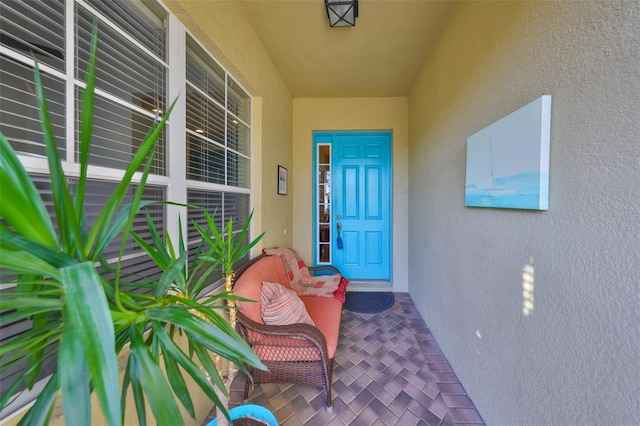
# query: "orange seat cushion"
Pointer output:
{"type": "Point", "coordinates": [326, 313]}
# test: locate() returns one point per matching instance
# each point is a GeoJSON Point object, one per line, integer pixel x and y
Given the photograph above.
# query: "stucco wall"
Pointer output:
{"type": "Point", "coordinates": [222, 27]}
{"type": "Point", "coordinates": [574, 358]}
{"type": "Point", "coordinates": [350, 114]}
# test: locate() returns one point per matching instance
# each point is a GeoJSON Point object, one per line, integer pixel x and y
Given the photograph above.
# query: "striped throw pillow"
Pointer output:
{"type": "Point", "coordinates": [281, 306]}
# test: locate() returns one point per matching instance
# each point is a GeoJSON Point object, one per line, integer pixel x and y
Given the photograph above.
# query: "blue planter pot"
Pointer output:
{"type": "Point", "coordinates": [253, 411]}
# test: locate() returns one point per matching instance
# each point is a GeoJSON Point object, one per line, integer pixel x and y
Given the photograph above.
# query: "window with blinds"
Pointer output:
{"type": "Point", "coordinates": [133, 72]}
{"type": "Point", "coordinates": [131, 82]}
{"type": "Point", "coordinates": [222, 206]}
{"type": "Point", "coordinates": [131, 78]}
{"type": "Point", "coordinates": [218, 143]}
{"type": "Point", "coordinates": [28, 30]}
{"type": "Point", "coordinates": [218, 122]}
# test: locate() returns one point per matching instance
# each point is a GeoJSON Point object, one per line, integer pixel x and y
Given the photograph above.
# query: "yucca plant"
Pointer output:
{"type": "Point", "coordinates": [227, 251]}
{"type": "Point", "coordinates": [82, 318]}
{"type": "Point", "coordinates": [218, 249]}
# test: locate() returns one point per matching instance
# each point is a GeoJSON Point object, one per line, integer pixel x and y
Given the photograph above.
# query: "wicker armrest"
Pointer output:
{"type": "Point", "coordinates": [302, 332]}
{"type": "Point", "coordinates": [323, 270]}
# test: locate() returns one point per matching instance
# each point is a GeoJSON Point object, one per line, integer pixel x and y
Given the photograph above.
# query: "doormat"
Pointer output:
{"type": "Point", "coordinates": [368, 302]}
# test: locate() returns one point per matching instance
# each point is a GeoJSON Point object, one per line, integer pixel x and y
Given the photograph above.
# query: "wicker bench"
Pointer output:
{"type": "Point", "coordinates": [295, 353]}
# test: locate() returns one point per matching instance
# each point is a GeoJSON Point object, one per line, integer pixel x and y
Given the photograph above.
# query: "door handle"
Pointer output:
{"type": "Point", "coordinates": [339, 242]}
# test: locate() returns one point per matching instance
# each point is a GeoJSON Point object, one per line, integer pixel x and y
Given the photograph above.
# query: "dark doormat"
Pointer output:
{"type": "Point", "coordinates": [368, 302]}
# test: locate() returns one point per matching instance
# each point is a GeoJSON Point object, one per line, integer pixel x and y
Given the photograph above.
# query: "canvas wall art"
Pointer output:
{"type": "Point", "coordinates": [508, 161]}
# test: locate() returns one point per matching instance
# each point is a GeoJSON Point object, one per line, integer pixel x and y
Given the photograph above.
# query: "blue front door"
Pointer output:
{"type": "Point", "coordinates": [360, 218]}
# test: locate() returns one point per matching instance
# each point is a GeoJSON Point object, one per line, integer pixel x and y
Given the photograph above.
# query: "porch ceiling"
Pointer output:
{"type": "Point", "coordinates": [380, 56]}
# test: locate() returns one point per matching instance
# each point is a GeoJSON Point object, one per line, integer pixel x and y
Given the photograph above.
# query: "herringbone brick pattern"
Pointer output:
{"type": "Point", "coordinates": [388, 370]}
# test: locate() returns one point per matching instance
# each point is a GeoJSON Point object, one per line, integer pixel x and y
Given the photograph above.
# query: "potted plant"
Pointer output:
{"type": "Point", "coordinates": [227, 252]}
{"type": "Point", "coordinates": [216, 249]}
{"type": "Point", "coordinates": [87, 320]}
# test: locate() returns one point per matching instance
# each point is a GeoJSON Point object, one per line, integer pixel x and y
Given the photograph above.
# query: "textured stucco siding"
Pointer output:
{"type": "Point", "coordinates": [574, 358]}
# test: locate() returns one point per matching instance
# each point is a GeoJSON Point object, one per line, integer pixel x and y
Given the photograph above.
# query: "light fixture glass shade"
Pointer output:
{"type": "Point", "coordinates": [342, 13]}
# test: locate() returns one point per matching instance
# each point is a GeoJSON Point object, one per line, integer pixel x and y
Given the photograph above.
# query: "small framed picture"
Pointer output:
{"type": "Point", "coordinates": [282, 180]}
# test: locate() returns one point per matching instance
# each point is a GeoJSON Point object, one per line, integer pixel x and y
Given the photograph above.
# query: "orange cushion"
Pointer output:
{"type": "Point", "coordinates": [326, 313]}
{"type": "Point", "coordinates": [249, 284]}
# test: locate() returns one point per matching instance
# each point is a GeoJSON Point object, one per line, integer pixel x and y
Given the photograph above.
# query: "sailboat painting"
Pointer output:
{"type": "Point", "coordinates": [508, 161]}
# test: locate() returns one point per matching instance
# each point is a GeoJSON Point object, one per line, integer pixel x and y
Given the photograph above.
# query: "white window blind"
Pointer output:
{"type": "Point", "coordinates": [35, 28]}
{"type": "Point", "coordinates": [130, 81]}
{"type": "Point", "coordinates": [218, 122]}
{"type": "Point", "coordinates": [218, 143]}
{"type": "Point", "coordinates": [27, 30]}
{"type": "Point", "coordinates": [222, 206]}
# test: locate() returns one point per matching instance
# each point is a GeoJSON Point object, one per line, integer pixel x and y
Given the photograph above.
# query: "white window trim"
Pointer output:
{"type": "Point", "coordinates": [176, 148]}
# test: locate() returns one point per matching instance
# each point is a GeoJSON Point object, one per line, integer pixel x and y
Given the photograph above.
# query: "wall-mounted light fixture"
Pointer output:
{"type": "Point", "coordinates": [342, 13]}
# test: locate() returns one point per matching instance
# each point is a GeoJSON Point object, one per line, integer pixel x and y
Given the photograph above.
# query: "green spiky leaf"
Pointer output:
{"type": "Point", "coordinates": [88, 314]}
